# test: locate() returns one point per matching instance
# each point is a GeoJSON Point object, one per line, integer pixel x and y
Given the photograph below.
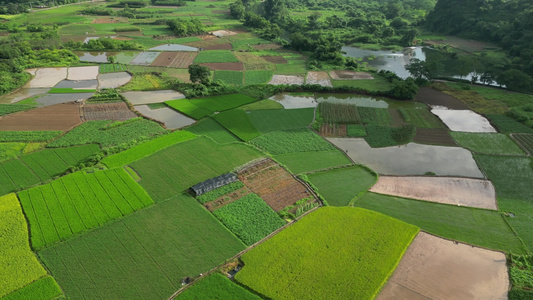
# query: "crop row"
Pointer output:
{"type": "Point", "coordinates": [147, 148]}
{"type": "Point", "coordinates": [129, 260]}
{"type": "Point", "coordinates": [221, 191]}
{"type": "Point", "coordinates": [339, 113]}
{"type": "Point", "coordinates": [289, 141]}
{"type": "Point", "coordinates": [212, 129]}
{"type": "Point", "coordinates": [250, 218]}
{"type": "Point", "coordinates": [525, 140]}
{"type": "Point", "coordinates": [20, 267]}
{"type": "Point", "coordinates": [13, 108]}
{"type": "Point", "coordinates": [97, 132]}
{"type": "Point", "coordinates": [488, 143]}
{"type": "Point", "coordinates": [28, 136]}
{"type": "Point", "coordinates": [78, 202]}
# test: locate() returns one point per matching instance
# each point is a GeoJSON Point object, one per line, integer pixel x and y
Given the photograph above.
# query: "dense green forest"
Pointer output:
{"type": "Point", "coordinates": [508, 23]}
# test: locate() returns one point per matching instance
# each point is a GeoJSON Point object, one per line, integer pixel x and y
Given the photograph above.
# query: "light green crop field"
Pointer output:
{"type": "Point", "coordinates": [237, 122]}
{"type": "Point", "coordinates": [235, 78]}
{"type": "Point", "coordinates": [281, 119]}
{"type": "Point", "coordinates": [78, 202]}
{"type": "Point", "coordinates": [485, 228]}
{"type": "Point", "coordinates": [352, 248]}
{"type": "Point", "coordinates": [215, 56]}
{"type": "Point", "coordinates": [290, 141]}
{"type": "Point", "coordinates": [213, 130]}
{"type": "Point", "coordinates": [186, 164]}
{"type": "Point", "coordinates": [199, 108]}
{"type": "Point", "coordinates": [340, 186]}
{"type": "Point", "coordinates": [20, 267]}
{"type": "Point", "coordinates": [487, 143]}
{"type": "Point", "coordinates": [144, 255]}
{"type": "Point", "coordinates": [310, 161]}
{"type": "Point", "coordinates": [147, 148]}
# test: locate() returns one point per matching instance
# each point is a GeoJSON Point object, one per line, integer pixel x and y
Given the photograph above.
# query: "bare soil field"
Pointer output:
{"type": "Point", "coordinates": [55, 117]}
{"type": "Point", "coordinates": [320, 78]}
{"type": "Point", "coordinates": [48, 77]}
{"type": "Point", "coordinates": [180, 60]}
{"type": "Point", "coordinates": [433, 97]}
{"type": "Point", "coordinates": [274, 184]}
{"type": "Point", "coordinates": [107, 111]}
{"type": "Point", "coordinates": [349, 75]}
{"type": "Point", "coordinates": [267, 46]}
{"type": "Point", "coordinates": [333, 130]}
{"type": "Point", "coordinates": [275, 59]}
{"type": "Point", "coordinates": [220, 33]}
{"type": "Point", "coordinates": [433, 136]}
{"type": "Point", "coordinates": [447, 190]}
{"type": "Point", "coordinates": [435, 268]}
{"type": "Point", "coordinates": [83, 73]}
{"type": "Point", "coordinates": [229, 66]}
{"type": "Point", "coordinates": [219, 47]}
{"type": "Point", "coordinates": [286, 79]}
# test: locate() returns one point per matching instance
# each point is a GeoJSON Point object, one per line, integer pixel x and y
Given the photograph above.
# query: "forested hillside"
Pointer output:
{"type": "Point", "coordinates": [509, 23]}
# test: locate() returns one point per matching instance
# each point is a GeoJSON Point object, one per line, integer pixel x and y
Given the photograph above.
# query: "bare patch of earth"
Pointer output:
{"type": "Point", "coordinates": [286, 79]}
{"type": "Point", "coordinates": [320, 78]}
{"type": "Point", "coordinates": [447, 190]}
{"type": "Point", "coordinates": [433, 97]}
{"type": "Point", "coordinates": [107, 111]}
{"type": "Point", "coordinates": [349, 75]}
{"type": "Point", "coordinates": [435, 268]}
{"type": "Point", "coordinates": [220, 33]}
{"type": "Point", "coordinates": [55, 117]}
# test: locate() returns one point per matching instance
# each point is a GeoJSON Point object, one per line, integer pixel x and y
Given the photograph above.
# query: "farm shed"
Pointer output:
{"type": "Point", "coordinates": [213, 183]}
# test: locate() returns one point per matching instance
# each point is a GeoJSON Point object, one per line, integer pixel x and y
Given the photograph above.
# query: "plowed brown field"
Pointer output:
{"type": "Point", "coordinates": [54, 117]}
{"type": "Point", "coordinates": [107, 111]}
{"type": "Point", "coordinates": [180, 60]}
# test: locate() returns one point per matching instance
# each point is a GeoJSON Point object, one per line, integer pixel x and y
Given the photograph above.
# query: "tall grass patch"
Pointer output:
{"type": "Point", "coordinates": [340, 186]}
{"type": "Point", "coordinates": [307, 247]}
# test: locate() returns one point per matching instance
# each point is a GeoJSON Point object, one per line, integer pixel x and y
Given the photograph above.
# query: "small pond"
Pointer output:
{"type": "Point", "coordinates": [411, 159]}
{"type": "Point", "coordinates": [366, 101]}
{"type": "Point", "coordinates": [295, 101]}
{"type": "Point", "coordinates": [171, 118]}
{"type": "Point", "coordinates": [94, 56]}
{"type": "Point", "coordinates": [173, 47]}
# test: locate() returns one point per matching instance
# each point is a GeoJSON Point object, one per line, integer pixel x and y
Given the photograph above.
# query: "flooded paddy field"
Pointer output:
{"type": "Point", "coordinates": [113, 80]}
{"type": "Point", "coordinates": [411, 159]}
{"type": "Point", "coordinates": [78, 84]}
{"type": "Point", "coordinates": [148, 97]}
{"type": "Point", "coordinates": [53, 99]}
{"type": "Point", "coordinates": [463, 120]}
{"type": "Point", "coordinates": [447, 190]}
{"type": "Point", "coordinates": [48, 77]}
{"type": "Point", "coordinates": [291, 101]}
{"type": "Point", "coordinates": [145, 58]}
{"type": "Point", "coordinates": [83, 73]}
{"type": "Point", "coordinates": [171, 118]}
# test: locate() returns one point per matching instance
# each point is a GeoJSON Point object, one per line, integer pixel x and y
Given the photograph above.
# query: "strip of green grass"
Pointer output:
{"type": "Point", "coordinates": [309, 161]}
{"type": "Point", "coordinates": [479, 227]}
{"type": "Point", "coordinates": [340, 186]}
{"type": "Point", "coordinates": [281, 119]}
{"type": "Point", "coordinates": [69, 91]}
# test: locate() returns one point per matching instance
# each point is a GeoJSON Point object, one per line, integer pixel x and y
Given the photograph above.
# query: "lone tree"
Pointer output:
{"type": "Point", "coordinates": [199, 73]}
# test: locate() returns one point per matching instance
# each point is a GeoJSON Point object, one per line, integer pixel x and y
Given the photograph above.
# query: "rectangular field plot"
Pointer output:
{"type": "Point", "coordinates": [280, 119]}
{"type": "Point", "coordinates": [487, 143]}
{"type": "Point", "coordinates": [49, 163]}
{"type": "Point", "coordinates": [181, 60]}
{"type": "Point", "coordinates": [174, 169]}
{"type": "Point", "coordinates": [275, 185]}
{"type": "Point", "coordinates": [340, 186]}
{"type": "Point", "coordinates": [215, 56]}
{"type": "Point", "coordinates": [309, 161]}
{"type": "Point", "coordinates": [80, 201]}
{"type": "Point", "coordinates": [235, 78]}
{"type": "Point", "coordinates": [18, 265]}
{"type": "Point", "coordinates": [14, 176]}
{"type": "Point", "coordinates": [147, 148]}
{"type": "Point", "coordinates": [339, 113]}
{"type": "Point", "coordinates": [421, 118]}
{"type": "Point", "coordinates": [250, 218]}
{"type": "Point", "coordinates": [214, 130]}
{"type": "Point", "coordinates": [237, 122]}
{"type": "Point", "coordinates": [145, 58]}
{"type": "Point", "coordinates": [199, 108]}
{"type": "Point", "coordinates": [507, 124]}
{"type": "Point", "coordinates": [108, 133]}
{"type": "Point", "coordinates": [479, 227]}
{"type": "Point", "coordinates": [290, 141]}
{"type": "Point", "coordinates": [297, 263]}
{"type": "Point", "coordinates": [142, 256]}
